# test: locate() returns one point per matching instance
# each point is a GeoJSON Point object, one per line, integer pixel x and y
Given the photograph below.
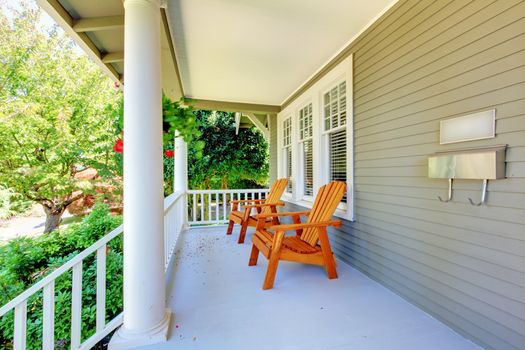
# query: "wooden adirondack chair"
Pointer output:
{"type": "Point", "coordinates": [310, 245]}
{"type": "Point", "coordinates": [242, 215]}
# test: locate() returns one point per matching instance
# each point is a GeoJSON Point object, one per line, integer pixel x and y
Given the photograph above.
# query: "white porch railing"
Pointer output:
{"type": "Point", "coordinates": [213, 206]}
{"type": "Point", "coordinates": [174, 223]}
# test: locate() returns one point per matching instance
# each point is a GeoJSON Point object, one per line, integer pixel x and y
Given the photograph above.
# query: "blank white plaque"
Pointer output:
{"type": "Point", "coordinates": [476, 126]}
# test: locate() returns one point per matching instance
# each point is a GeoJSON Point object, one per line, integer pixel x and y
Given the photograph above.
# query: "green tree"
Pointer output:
{"type": "Point", "coordinates": [54, 115]}
{"type": "Point", "coordinates": [228, 160]}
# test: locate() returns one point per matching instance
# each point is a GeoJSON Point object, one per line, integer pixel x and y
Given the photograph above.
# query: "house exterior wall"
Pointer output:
{"type": "Point", "coordinates": [422, 62]}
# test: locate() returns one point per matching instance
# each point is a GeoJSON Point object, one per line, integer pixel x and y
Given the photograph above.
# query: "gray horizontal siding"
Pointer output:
{"type": "Point", "coordinates": [422, 62]}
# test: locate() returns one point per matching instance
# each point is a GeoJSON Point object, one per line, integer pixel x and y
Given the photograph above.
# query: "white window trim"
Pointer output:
{"type": "Point", "coordinates": [342, 208]}
{"type": "Point", "coordinates": [342, 72]}
{"type": "Point", "coordinates": [300, 196]}
{"type": "Point", "coordinates": [282, 165]}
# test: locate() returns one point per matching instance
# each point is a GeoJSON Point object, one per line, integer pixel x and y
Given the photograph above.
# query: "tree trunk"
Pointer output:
{"type": "Point", "coordinates": [224, 182]}
{"type": "Point", "coordinates": [53, 217]}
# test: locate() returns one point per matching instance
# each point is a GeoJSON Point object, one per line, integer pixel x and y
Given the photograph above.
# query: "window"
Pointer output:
{"type": "Point", "coordinates": [335, 125]}
{"type": "Point", "coordinates": [337, 144]}
{"type": "Point", "coordinates": [335, 107]}
{"type": "Point", "coordinates": [314, 139]}
{"type": "Point", "coordinates": [306, 146]}
{"type": "Point", "coordinates": [287, 152]}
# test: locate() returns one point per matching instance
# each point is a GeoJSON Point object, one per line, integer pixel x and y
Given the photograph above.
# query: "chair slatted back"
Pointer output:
{"type": "Point", "coordinates": [276, 191]}
{"type": "Point", "coordinates": [325, 204]}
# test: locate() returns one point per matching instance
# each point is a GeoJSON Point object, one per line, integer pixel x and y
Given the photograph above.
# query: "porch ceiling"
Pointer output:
{"type": "Point", "coordinates": [260, 51]}
{"type": "Point", "coordinates": [249, 55]}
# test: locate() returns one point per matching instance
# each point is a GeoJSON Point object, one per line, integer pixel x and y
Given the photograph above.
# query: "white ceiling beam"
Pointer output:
{"type": "Point", "coordinates": [257, 122]}
{"type": "Point", "coordinates": [64, 19]}
{"type": "Point", "coordinates": [231, 106]}
{"type": "Point", "coordinates": [98, 23]}
{"type": "Point", "coordinates": [237, 122]}
{"type": "Point", "coordinates": [112, 57]}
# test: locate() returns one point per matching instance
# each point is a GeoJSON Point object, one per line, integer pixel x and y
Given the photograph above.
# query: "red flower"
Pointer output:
{"type": "Point", "coordinates": [118, 146]}
{"type": "Point", "coordinates": [117, 85]}
{"type": "Point", "coordinates": [169, 153]}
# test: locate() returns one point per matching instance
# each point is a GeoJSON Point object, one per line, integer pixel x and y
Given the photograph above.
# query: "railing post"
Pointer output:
{"type": "Point", "coordinates": [48, 318]}
{"type": "Point", "coordinates": [19, 342]}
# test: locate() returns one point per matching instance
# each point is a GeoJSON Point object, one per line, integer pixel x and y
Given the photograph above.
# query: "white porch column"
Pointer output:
{"type": "Point", "coordinates": [180, 182]}
{"type": "Point", "coordinates": [146, 319]}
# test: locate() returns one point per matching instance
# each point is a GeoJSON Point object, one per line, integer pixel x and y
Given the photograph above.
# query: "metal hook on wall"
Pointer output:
{"type": "Point", "coordinates": [449, 193]}
{"type": "Point", "coordinates": [483, 194]}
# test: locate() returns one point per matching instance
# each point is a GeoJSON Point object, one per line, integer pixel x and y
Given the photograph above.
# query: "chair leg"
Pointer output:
{"type": "Point", "coordinates": [242, 235]}
{"type": "Point", "coordinates": [230, 228]}
{"type": "Point", "coordinates": [328, 255]}
{"type": "Point", "coordinates": [254, 256]}
{"type": "Point", "coordinates": [271, 271]}
{"type": "Point", "coordinates": [330, 266]}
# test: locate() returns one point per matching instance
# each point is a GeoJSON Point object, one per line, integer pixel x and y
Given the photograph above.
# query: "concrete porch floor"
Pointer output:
{"type": "Point", "coordinates": [218, 303]}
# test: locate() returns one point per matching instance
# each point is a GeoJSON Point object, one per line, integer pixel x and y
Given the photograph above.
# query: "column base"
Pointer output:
{"type": "Point", "coordinates": [124, 339]}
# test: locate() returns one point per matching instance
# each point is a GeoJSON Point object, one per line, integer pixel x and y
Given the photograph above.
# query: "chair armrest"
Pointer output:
{"type": "Point", "coordinates": [291, 213]}
{"type": "Point", "coordinates": [248, 201]}
{"type": "Point", "coordinates": [264, 205]}
{"type": "Point", "coordinates": [290, 227]}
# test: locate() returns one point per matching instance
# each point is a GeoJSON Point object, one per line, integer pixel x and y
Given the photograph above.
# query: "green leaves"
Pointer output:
{"type": "Point", "coordinates": [54, 115]}
{"type": "Point", "coordinates": [11, 203]}
{"type": "Point", "coordinates": [176, 117]}
{"type": "Point", "coordinates": [221, 159]}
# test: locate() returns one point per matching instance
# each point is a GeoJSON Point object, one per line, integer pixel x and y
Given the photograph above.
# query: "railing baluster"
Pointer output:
{"type": "Point", "coordinates": [210, 215]}
{"type": "Point", "coordinates": [20, 326]}
{"type": "Point", "coordinates": [202, 207]}
{"type": "Point", "coordinates": [217, 211]}
{"type": "Point", "coordinates": [215, 208]}
{"type": "Point", "coordinates": [194, 207]}
{"type": "Point", "coordinates": [48, 321]}
{"type": "Point", "coordinates": [224, 204]}
{"type": "Point", "coordinates": [101, 288]}
{"type": "Point", "coordinates": [76, 306]}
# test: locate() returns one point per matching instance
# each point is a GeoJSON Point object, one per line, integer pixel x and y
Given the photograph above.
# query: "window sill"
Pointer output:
{"type": "Point", "coordinates": [341, 211]}
{"type": "Point", "coordinates": [342, 214]}
{"type": "Point", "coordinates": [305, 203]}
{"type": "Point", "coordinates": [287, 197]}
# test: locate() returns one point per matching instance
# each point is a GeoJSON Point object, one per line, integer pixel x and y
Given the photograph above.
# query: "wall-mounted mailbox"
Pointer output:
{"type": "Point", "coordinates": [474, 164]}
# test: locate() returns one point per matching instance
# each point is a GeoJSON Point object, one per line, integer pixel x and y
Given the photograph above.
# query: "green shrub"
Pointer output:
{"type": "Point", "coordinates": [25, 261]}
{"type": "Point", "coordinates": [11, 203]}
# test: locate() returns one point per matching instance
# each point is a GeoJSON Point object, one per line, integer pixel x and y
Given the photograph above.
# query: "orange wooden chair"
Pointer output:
{"type": "Point", "coordinates": [242, 215]}
{"type": "Point", "coordinates": [310, 245]}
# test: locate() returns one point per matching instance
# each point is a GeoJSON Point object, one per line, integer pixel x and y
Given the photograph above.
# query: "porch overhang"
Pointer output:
{"type": "Point", "coordinates": [248, 57]}
{"type": "Point", "coordinates": [98, 28]}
